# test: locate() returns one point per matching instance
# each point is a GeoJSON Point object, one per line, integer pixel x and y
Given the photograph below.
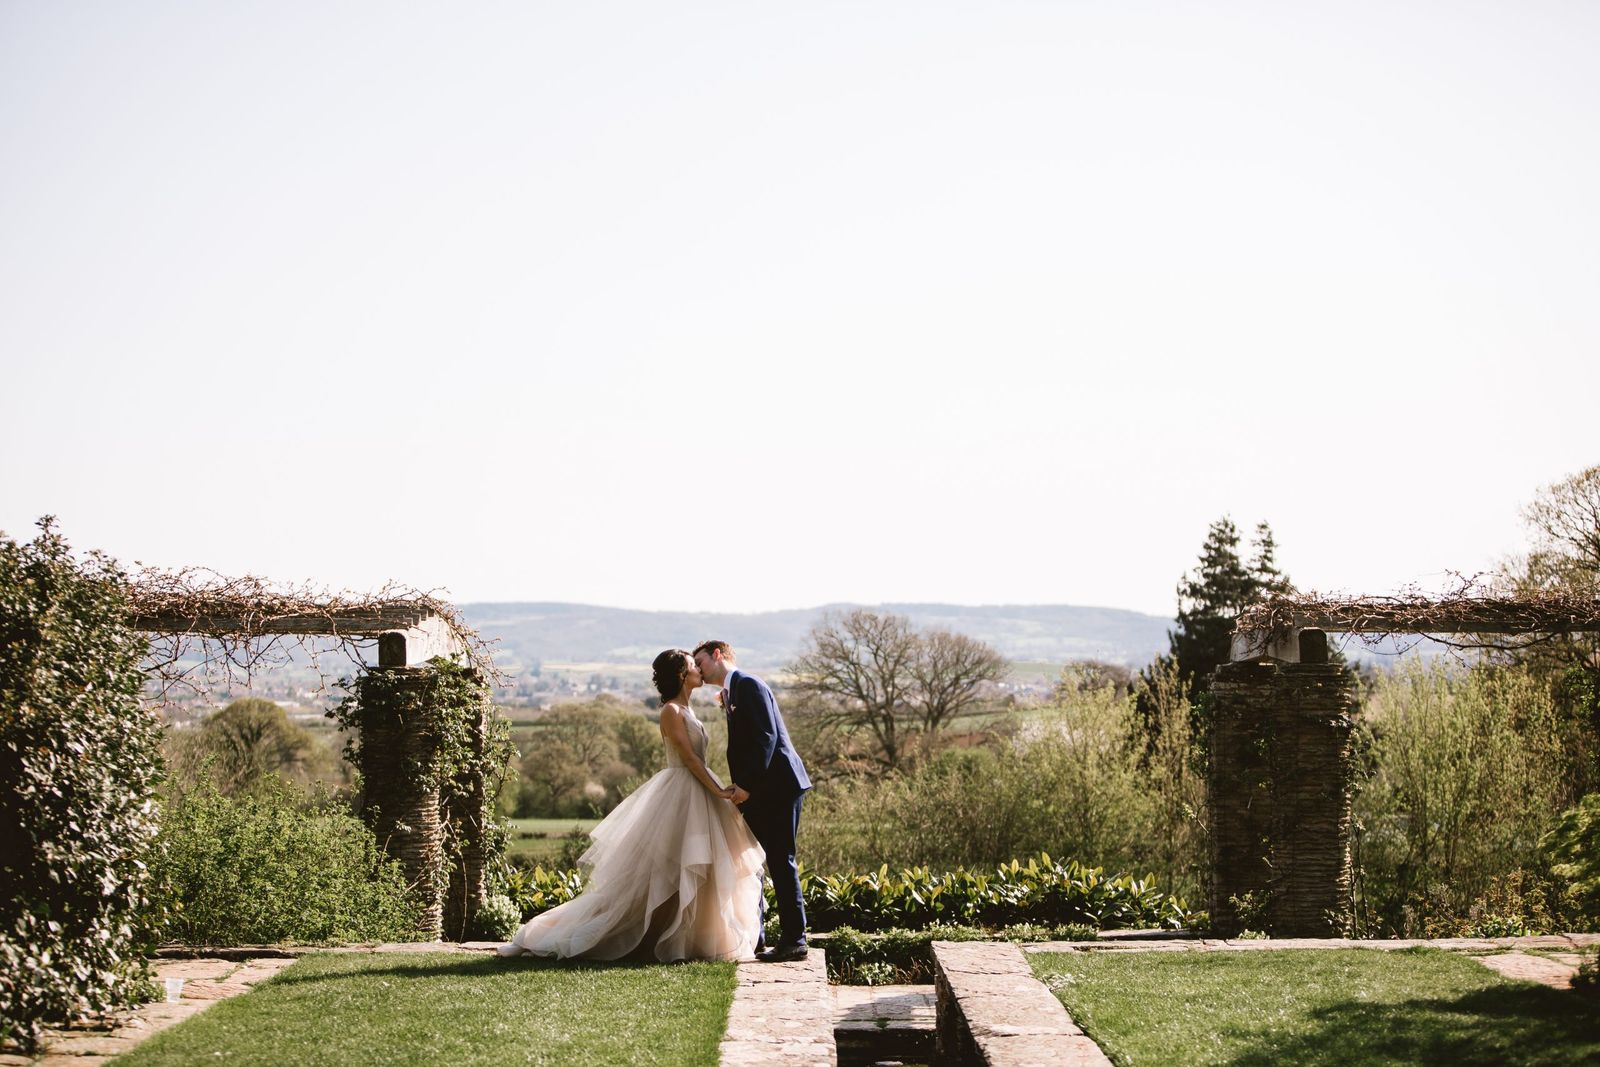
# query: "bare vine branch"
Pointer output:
{"type": "Point", "coordinates": [207, 627]}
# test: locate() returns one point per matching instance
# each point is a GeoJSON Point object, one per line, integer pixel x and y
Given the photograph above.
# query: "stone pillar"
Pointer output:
{"type": "Point", "coordinates": [467, 808]}
{"type": "Point", "coordinates": [1279, 793]}
{"type": "Point", "coordinates": [397, 752]}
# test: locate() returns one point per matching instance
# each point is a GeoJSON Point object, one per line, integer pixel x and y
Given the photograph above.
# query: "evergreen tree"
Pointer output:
{"type": "Point", "coordinates": [1209, 599]}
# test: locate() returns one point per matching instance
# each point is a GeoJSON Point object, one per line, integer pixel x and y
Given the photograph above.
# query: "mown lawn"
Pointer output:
{"type": "Point", "coordinates": [540, 840]}
{"type": "Point", "coordinates": [1335, 1008]}
{"type": "Point", "coordinates": [438, 1007]}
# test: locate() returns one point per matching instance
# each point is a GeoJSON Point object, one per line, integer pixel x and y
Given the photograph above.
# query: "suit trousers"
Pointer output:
{"type": "Point", "coordinates": [775, 824]}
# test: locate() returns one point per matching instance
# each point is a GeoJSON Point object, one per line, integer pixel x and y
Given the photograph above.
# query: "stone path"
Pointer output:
{"type": "Point", "coordinates": [205, 981]}
{"type": "Point", "coordinates": [1555, 970]}
{"type": "Point", "coordinates": [782, 1013]}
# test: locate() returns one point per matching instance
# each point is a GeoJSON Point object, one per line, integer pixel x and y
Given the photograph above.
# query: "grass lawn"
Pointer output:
{"type": "Point", "coordinates": [540, 839]}
{"type": "Point", "coordinates": [1335, 1007]}
{"type": "Point", "coordinates": [438, 1007]}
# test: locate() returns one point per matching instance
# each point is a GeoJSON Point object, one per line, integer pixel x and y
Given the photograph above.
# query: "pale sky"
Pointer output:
{"type": "Point", "coordinates": [749, 306]}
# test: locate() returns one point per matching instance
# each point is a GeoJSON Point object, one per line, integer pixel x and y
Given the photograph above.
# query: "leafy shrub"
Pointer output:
{"type": "Point", "coordinates": [896, 956]}
{"type": "Point", "coordinates": [79, 758]}
{"type": "Point", "coordinates": [1042, 891]}
{"type": "Point", "coordinates": [540, 889]}
{"type": "Point", "coordinates": [1067, 778]}
{"type": "Point", "coordinates": [497, 919]}
{"type": "Point", "coordinates": [1587, 980]}
{"type": "Point", "coordinates": [1573, 849]}
{"type": "Point", "coordinates": [274, 866]}
{"type": "Point", "coordinates": [1462, 771]}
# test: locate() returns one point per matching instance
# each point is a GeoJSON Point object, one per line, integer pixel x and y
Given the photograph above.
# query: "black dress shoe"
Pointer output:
{"type": "Point", "coordinates": [783, 954]}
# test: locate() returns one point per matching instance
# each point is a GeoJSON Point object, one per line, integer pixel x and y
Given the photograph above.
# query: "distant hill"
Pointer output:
{"type": "Point", "coordinates": [582, 633]}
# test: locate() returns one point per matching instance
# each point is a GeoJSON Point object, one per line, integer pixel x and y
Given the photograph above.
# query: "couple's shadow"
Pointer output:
{"type": "Point", "coordinates": [474, 965]}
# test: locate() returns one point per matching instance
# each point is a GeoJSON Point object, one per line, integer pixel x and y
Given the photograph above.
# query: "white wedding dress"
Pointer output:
{"type": "Point", "coordinates": [673, 872]}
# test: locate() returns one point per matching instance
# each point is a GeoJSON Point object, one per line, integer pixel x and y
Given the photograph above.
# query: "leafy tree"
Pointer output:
{"type": "Point", "coordinates": [1564, 523]}
{"type": "Point", "coordinates": [246, 743]}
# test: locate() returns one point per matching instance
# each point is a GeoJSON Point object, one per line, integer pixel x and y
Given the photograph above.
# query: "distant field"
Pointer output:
{"type": "Point", "coordinates": [540, 839]}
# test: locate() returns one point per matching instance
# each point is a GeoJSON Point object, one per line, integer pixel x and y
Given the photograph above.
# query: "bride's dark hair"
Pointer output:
{"type": "Point", "coordinates": [669, 670]}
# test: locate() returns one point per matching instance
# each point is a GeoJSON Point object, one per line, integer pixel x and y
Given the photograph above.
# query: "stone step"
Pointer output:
{"type": "Point", "coordinates": [872, 1024]}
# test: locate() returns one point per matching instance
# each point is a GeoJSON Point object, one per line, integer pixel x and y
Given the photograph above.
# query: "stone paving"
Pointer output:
{"type": "Point", "coordinates": [782, 1013]}
{"type": "Point", "coordinates": [205, 981]}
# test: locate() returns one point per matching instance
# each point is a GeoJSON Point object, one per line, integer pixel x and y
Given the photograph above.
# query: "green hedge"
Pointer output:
{"type": "Point", "coordinates": [275, 866]}
{"type": "Point", "coordinates": [905, 957]}
{"type": "Point", "coordinates": [79, 761]}
{"type": "Point", "coordinates": [1041, 892]}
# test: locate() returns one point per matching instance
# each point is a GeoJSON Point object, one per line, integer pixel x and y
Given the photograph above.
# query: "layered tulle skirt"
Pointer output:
{"type": "Point", "coordinates": [673, 873]}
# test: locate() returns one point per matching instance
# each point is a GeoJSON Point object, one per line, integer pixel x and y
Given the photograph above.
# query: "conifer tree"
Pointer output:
{"type": "Point", "coordinates": [1209, 598]}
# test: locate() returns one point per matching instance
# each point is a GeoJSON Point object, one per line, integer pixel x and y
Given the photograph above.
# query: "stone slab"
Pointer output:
{"type": "Point", "coordinates": [993, 1011]}
{"type": "Point", "coordinates": [782, 1013]}
{"type": "Point", "coordinates": [1522, 966]}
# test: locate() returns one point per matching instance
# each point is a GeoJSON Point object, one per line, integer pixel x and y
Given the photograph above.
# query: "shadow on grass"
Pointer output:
{"type": "Point", "coordinates": [400, 966]}
{"type": "Point", "coordinates": [1509, 1024]}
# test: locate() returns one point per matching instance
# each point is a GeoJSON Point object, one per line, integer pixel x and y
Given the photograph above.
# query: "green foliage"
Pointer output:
{"type": "Point", "coordinates": [271, 866]}
{"type": "Point", "coordinates": [1462, 769]}
{"type": "Point", "coordinates": [79, 759]}
{"type": "Point", "coordinates": [462, 748]}
{"type": "Point", "coordinates": [249, 740]}
{"type": "Point", "coordinates": [1067, 779]}
{"type": "Point", "coordinates": [898, 956]}
{"type": "Point", "coordinates": [497, 919]}
{"type": "Point", "coordinates": [580, 759]}
{"type": "Point", "coordinates": [540, 889]}
{"type": "Point", "coordinates": [1573, 849]}
{"type": "Point", "coordinates": [1042, 891]}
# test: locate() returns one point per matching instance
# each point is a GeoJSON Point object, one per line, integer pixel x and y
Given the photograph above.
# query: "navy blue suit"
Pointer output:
{"type": "Point", "coordinates": [763, 762]}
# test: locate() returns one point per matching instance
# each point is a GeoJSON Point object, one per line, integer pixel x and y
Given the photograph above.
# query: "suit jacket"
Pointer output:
{"type": "Point", "coordinates": [761, 758]}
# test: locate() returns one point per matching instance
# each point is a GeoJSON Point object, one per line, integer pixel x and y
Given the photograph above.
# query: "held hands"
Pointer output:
{"type": "Point", "coordinates": [737, 795]}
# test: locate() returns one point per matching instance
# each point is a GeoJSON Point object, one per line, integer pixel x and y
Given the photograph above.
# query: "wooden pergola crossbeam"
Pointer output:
{"type": "Point", "coordinates": [407, 634]}
{"type": "Point", "coordinates": [1272, 627]}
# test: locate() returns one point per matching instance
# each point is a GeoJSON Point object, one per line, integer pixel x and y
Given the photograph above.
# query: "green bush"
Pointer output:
{"type": "Point", "coordinates": [1462, 772]}
{"type": "Point", "coordinates": [274, 866]}
{"type": "Point", "coordinates": [1573, 849]}
{"type": "Point", "coordinates": [1042, 891]}
{"type": "Point", "coordinates": [79, 759]}
{"type": "Point", "coordinates": [540, 889]}
{"type": "Point", "coordinates": [497, 919]}
{"type": "Point", "coordinates": [896, 956]}
{"type": "Point", "coordinates": [1066, 778]}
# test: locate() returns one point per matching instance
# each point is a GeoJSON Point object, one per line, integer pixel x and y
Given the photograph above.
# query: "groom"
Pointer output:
{"type": "Point", "coordinates": [769, 783]}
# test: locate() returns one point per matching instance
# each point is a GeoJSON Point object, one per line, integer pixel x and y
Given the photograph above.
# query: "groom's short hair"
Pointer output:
{"type": "Point", "coordinates": [708, 647]}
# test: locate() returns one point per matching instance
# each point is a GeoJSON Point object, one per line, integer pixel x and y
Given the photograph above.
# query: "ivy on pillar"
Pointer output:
{"type": "Point", "coordinates": [430, 752]}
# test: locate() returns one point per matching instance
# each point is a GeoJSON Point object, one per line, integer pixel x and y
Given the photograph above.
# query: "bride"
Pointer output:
{"type": "Point", "coordinates": [673, 872]}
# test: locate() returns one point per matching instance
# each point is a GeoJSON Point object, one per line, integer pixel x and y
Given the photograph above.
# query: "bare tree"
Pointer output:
{"type": "Point", "coordinates": [877, 672]}
{"type": "Point", "coordinates": [950, 672]}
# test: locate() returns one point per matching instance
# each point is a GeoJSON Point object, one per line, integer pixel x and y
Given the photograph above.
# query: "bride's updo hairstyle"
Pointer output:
{"type": "Point", "coordinates": [669, 670]}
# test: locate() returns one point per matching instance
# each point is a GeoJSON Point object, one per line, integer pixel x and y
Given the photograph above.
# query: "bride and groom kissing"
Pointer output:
{"type": "Point", "coordinates": [674, 872]}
